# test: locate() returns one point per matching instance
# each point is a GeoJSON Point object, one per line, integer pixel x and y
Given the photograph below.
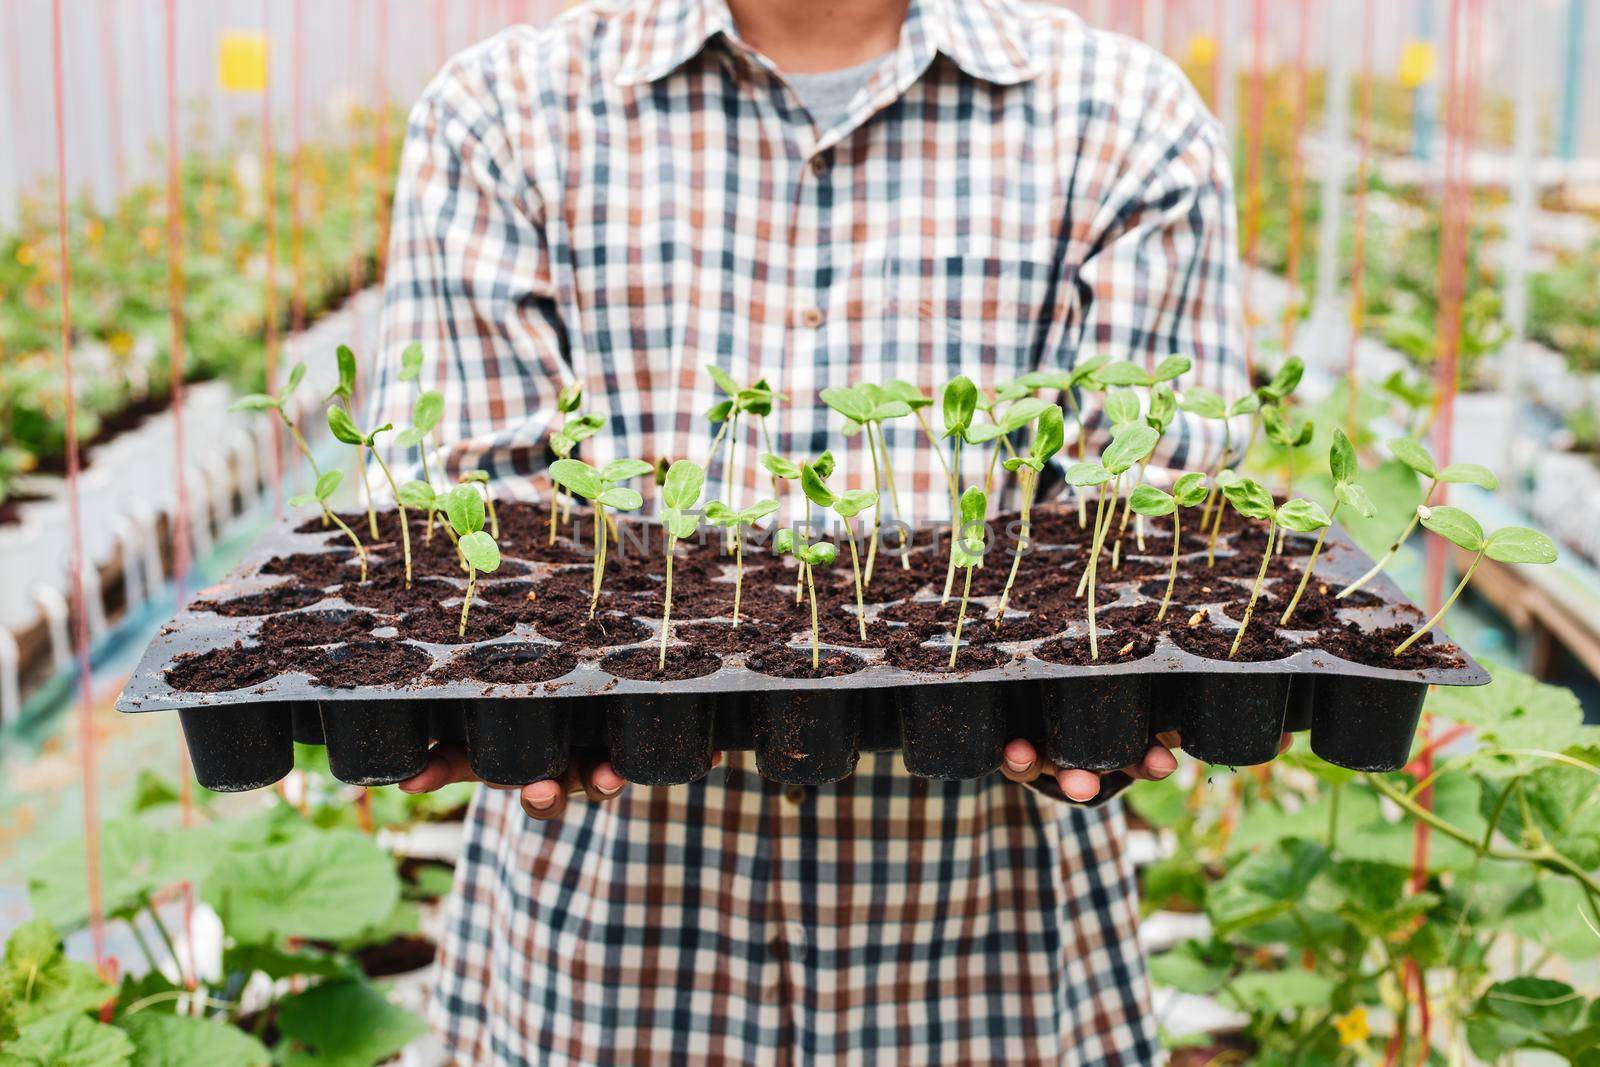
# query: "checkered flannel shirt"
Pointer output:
{"type": "Point", "coordinates": [631, 192]}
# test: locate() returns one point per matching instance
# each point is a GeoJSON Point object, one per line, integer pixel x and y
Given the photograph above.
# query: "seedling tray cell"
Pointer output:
{"type": "Point", "coordinates": [544, 686]}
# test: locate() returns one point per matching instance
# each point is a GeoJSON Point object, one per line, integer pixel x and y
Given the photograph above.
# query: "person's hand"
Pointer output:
{"type": "Point", "coordinates": [1022, 763]}
{"type": "Point", "coordinates": [541, 800]}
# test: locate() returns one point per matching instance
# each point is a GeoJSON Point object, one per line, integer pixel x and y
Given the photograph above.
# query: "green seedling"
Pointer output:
{"type": "Point", "coordinates": [1509, 544]}
{"type": "Point", "coordinates": [720, 514]}
{"type": "Point", "coordinates": [1149, 502]}
{"type": "Point", "coordinates": [1250, 499]}
{"type": "Point", "coordinates": [327, 485]}
{"type": "Point", "coordinates": [1162, 410]}
{"type": "Point", "coordinates": [1048, 439]}
{"type": "Point", "coordinates": [847, 505]}
{"type": "Point", "coordinates": [601, 489]}
{"type": "Point", "coordinates": [1018, 416]}
{"type": "Point", "coordinates": [1122, 407]}
{"type": "Point", "coordinates": [422, 497]}
{"type": "Point", "coordinates": [820, 554]}
{"type": "Point", "coordinates": [344, 394]}
{"type": "Point", "coordinates": [968, 549]}
{"type": "Point", "coordinates": [783, 469]}
{"type": "Point", "coordinates": [344, 429]}
{"type": "Point", "coordinates": [279, 405]}
{"type": "Point", "coordinates": [756, 401]}
{"type": "Point", "coordinates": [1208, 405]}
{"type": "Point", "coordinates": [480, 478]}
{"type": "Point", "coordinates": [1129, 444]}
{"type": "Point", "coordinates": [1342, 466]}
{"type": "Point", "coordinates": [686, 480]}
{"type": "Point", "coordinates": [425, 415]}
{"type": "Point", "coordinates": [1289, 434]}
{"type": "Point", "coordinates": [865, 408]}
{"type": "Point", "coordinates": [959, 404]}
{"type": "Point", "coordinates": [1414, 455]}
{"type": "Point", "coordinates": [563, 443]}
{"type": "Point", "coordinates": [917, 401]}
{"type": "Point", "coordinates": [463, 506]}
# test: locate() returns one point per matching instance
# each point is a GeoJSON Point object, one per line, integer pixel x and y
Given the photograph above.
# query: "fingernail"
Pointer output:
{"type": "Point", "coordinates": [603, 791]}
{"type": "Point", "coordinates": [407, 787]}
{"type": "Point", "coordinates": [1017, 768]}
{"type": "Point", "coordinates": [543, 804]}
{"type": "Point", "coordinates": [1161, 772]}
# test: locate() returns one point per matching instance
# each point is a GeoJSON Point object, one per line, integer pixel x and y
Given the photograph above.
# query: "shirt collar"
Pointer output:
{"type": "Point", "coordinates": [985, 38]}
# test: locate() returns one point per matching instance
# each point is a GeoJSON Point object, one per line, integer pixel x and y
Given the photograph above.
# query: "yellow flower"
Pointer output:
{"type": "Point", "coordinates": [1352, 1026]}
{"type": "Point", "coordinates": [121, 343]}
{"type": "Point", "coordinates": [93, 231]}
{"type": "Point", "coordinates": [150, 238]}
{"type": "Point", "coordinates": [27, 255]}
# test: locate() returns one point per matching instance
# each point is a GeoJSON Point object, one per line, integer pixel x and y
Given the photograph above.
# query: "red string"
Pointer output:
{"type": "Point", "coordinates": [1297, 177]}
{"type": "Point", "coordinates": [297, 230]}
{"type": "Point", "coordinates": [80, 604]}
{"type": "Point", "coordinates": [1252, 181]}
{"type": "Point", "coordinates": [1358, 265]}
{"type": "Point", "coordinates": [269, 208]}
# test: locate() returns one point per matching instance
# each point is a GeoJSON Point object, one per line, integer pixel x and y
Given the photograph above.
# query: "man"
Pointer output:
{"type": "Point", "coordinates": [816, 192]}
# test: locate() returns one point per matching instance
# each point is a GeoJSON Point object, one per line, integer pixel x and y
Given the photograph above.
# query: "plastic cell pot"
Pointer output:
{"type": "Point", "coordinates": [1366, 724]}
{"type": "Point", "coordinates": [734, 727]}
{"type": "Point", "coordinates": [239, 747]}
{"type": "Point", "coordinates": [447, 723]}
{"type": "Point", "coordinates": [1096, 724]}
{"type": "Point", "coordinates": [954, 731]}
{"type": "Point", "coordinates": [1234, 720]}
{"type": "Point", "coordinates": [1302, 696]}
{"type": "Point", "coordinates": [660, 739]}
{"type": "Point", "coordinates": [806, 737]}
{"type": "Point", "coordinates": [880, 720]}
{"type": "Point", "coordinates": [306, 718]}
{"type": "Point", "coordinates": [375, 742]}
{"type": "Point", "coordinates": [515, 741]}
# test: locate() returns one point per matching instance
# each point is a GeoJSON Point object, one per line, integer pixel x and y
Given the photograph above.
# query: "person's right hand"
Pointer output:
{"type": "Point", "coordinates": [541, 800]}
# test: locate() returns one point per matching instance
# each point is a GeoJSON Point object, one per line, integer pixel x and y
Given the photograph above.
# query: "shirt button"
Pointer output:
{"type": "Point", "coordinates": [819, 166]}
{"type": "Point", "coordinates": [811, 318]}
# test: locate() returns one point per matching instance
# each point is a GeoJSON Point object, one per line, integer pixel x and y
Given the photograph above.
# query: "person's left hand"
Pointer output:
{"type": "Point", "coordinates": [1022, 763]}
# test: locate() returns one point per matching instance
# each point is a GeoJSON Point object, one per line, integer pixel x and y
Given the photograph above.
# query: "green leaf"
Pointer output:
{"type": "Point", "coordinates": [780, 467]}
{"type": "Point", "coordinates": [1086, 474]}
{"type": "Point", "coordinates": [479, 476]}
{"type": "Point", "coordinates": [757, 400]}
{"type": "Point", "coordinates": [584, 426]}
{"type": "Point", "coordinates": [297, 374]}
{"type": "Point", "coordinates": [411, 362]}
{"type": "Point", "coordinates": [1514, 710]}
{"type": "Point", "coordinates": [37, 979]}
{"type": "Point", "coordinates": [1454, 525]}
{"type": "Point", "coordinates": [68, 1040]}
{"type": "Point", "coordinates": [418, 495]}
{"type": "Point", "coordinates": [974, 506]}
{"type": "Point", "coordinates": [570, 398]}
{"type": "Point", "coordinates": [344, 427]}
{"type": "Point", "coordinates": [1049, 435]}
{"type": "Point", "coordinates": [562, 444]}
{"type": "Point", "coordinates": [1273, 992]}
{"type": "Point", "coordinates": [1413, 455]}
{"type": "Point", "coordinates": [464, 507]}
{"type": "Point", "coordinates": [1190, 489]}
{"type": "Point", "coordinates": [719, 514]}
{"type": "Point", "coordinates": [346, 389]}
{"type": "Point", "coordinates": [1122, 407]}
{"type": "Point", "coordinates": [814, 487]}
{"type": "Point", "coordinates": [256, 402]}
{"type": "Point", "coordinates": [343, 1024]}
{"type": "Point", "coordinates": [427, 411]}
{"type": "Point", "coordinates": [1188, 968]}
{"type": "Point", "coordinates": [622, 470]}
{"type": "Point", "coordinates": [1286, 380]}
{"type": "Point", "coordinates": [1354, 497]}
{"type": "Point", "coordinates": [719, 411]}
{"type": "Point", "coordinates": [1171, 368]}
{"type": "Point", "coordinates": [184, 1041]}
{"type": "Point", "coordinates": [851, 403]}
{"type": "Point", "coordinates": [302, 500]}
{"type": "Point", "coordinates": [983, 433]}
{"type": "Point", "coordinates": [1264, 885]}
{"type": "Point", "coordinates": [410, 437]}
{"type": "Point", "coordinates": [890, 409]}
{"type": "Point", "coordinates": [136, 860]}
{"type": "Point", "coordinates": [1151, 502]}
{"type": "Point", "coordinates": [320, 886]}
{"type": "Point", "coordinates": [480, 551]}
{"type": "Point", "coordinates": [723, 380]}
{"type": "Point", "coordinates": [959, 404]}
{"type": "Point", "coordinates": [1250, 500]}
{"type": "Point", "coordinates": [1342, 459]}
{"type": "Point", "coordinates": [1083, 371]}
{"type": "Point", "coordinates": [1540, 1005]}
{"type": "Point", "coordinates": [821, 554]}
{"type": "Point", "coordinates": [1470, 474]}
{"type": "Point", "coordinates": [680, 523]}
{"type": "Point", "coordinates": [1302, 516]}
{"type": "Point", "coordinates": [685, 481]}
{"type": "Point", "coordinates": [620, 498]}
{"type": "Point", "coordinates": [1132, 443]}
{"type": "Point", "coordinates": [757, 511]}
{"type": "Point", "coordinates": [1204, 403]}
{"type": "Point", "coordinates": [783, 541]}
{"type": "Point", "coordinates": [1518, 544]}
{"type": "Point", "coordinates": [576, 476]}
{"type": "Point", "coordinates": [1163, 407]}
{"type": "Point", "coordinates": [853, 502]}
{"type": "Point", "coordinates": [1245, 405]}
{"type": "Point", "coordinates": [1022, 413]}
{"type": "Point", "coordinates": [1123, 373]}
{"type": "Point", "coordinates": [906, 393]}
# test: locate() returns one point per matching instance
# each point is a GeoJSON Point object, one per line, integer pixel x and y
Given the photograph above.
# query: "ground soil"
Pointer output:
{"type": "Point", "coordinates": [1376, 648]}
{"type": "Point", "coordinates": [935, 659]}
{"type": "Point", "coordinates": [437, 626]}
{"type": "Point", "coordinates": [320, 569]}
{"type": "Point", "coordinates": [301, 628]}
{"type": "Point", "coordinates": [639, 664]}
{"type": "Point", "coordinates": [784, 662]}
{"type": "Point", "coordinates": [509, 664]}
{"type": "Point", "coordinates": [224, 669]}
{"type": "Point", "coordinates": [366, 663]}
{"type": "Point", "coordinates": [269, 602]}
{"type": "Point", "coordinates": [725, 639]}
{"type": "Point", "coordinates": [1261, 642]}
{"type": "Point", "coordinates": [605, 630]}
{"type": "Point", "coordinates": [387, 594]}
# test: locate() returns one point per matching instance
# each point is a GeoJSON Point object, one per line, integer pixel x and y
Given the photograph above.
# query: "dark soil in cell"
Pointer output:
{"type": "Point", "coordinates": [517, 599]}
{"type": "Point", "coordinates": [641, 664]}
{"type": "Point", "coordinates": [605, 630]}
{"type": "Point", "coordinates": [367, 663]}
{"type": "Point", "coordinates": [442, 625]}
{"type": "Point", "coordinates": [1115, 647]}
{"type": "Point", "coordinates": [1376, 648]}
{"type": "Point", "coordinates": [301, 628]}
{"type": "Point", "coordinates": [1194, 590]}
{"type": "Point", "coordinates": [1130, 567]}
{"type": "Point", "coordinates": [889, 582]}
{"type": "Point", "coordinates": [509, 664]}
{"type": "Point", "coordinates": [270, 602]}
{"type": "Point", "coordinates": [1252, 539]}
{"type": "Point", "coordinates": [841, 629]}
{"type": "Point", "coordinates": [387, 594]}
{"type": "Point", "coordinates": [388, 527]}
{"type": "Point", "coordinates": [931, 612]}
{"type": "Point", "coordinates": [316, 568]}
{"type": "Point", "coordinates": [769, 604]}
{"type": "Point", "coordinates": [1015, 627]}
{"type": "Point", "coordinates": [1267, 606]}
{"type": "Point", "coordinates": [1248, 565]}
{"type": "Point", "coordinates": [400, 955]}
{"type": "Point", "coordinates": [785, 662]}
{"type": "Point", "coordinates": [935, 658]}
{"type": "Point", "coordinates": [725, 639]}
{"type": "Point", "coordinates": [224, 669]}
{"type": "Point", "coordinates": [1261, 643]}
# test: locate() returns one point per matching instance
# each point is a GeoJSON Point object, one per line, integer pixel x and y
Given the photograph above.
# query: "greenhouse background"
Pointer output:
{"type": "Point", "coordinates": [1419, 212]}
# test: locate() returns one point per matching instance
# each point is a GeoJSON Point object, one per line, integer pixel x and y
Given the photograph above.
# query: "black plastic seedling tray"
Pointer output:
{"type": "Point", "coordinates": [803, 730]}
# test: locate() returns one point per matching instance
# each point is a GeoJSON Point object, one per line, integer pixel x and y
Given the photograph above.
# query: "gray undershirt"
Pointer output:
{"type": "Point", "coordinates": [827, 95]}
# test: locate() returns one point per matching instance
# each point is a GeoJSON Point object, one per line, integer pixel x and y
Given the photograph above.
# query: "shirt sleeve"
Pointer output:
{"type": "Point", "coordinates": [470, 277]}
{"type": "Point", "coordinates": [1158, 272]}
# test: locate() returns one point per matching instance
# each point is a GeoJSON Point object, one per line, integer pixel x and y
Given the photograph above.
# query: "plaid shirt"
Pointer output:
{"type": "Point", "coordinates": [631, 192]}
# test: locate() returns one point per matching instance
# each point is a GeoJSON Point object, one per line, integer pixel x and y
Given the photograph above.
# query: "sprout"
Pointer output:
{"type": "Point", "coordinates": [1019, 415]}
{"type": "Point", "coordinates": [864, 408]}
{"type": "Point", "coordinates": [1148, 501]}
{"type": "Point", "coordinates": [464, 507]}
{"type": "Point", "coordinates": [425, 416]}
{"type": "Point", "coordinates": [1254, 502]}
{"type": "Point", "coordinates": [563, 442]}
{"type": "Point", "coordinates": [1342, 466]}
{"type": "Point", "coordinates": [788, 470]}
{"type": "Point", "coordinates": [720, 514]}
{"type": "Point", "coordinates": [756, 400]}
{"type": "Point", "coordinates": [1419, 459]}
{"type": "Point", "coordinates": [821, 554]}
{"type": "Point", "coordinates": [915, 399]}
{"type": "Point", "coordinates": [679, 495]}
{"type": "Point", "coordinates": [601, 489]}
{"type": "Point", "coordinates": [883, 397]}
{"type": "Point", "coordinates": [279, 404]}
{"type": "Point", "coordinates": [344, 394]}
{"type": "Point", "coordinates": [968, 550]}
{"type": "Point", "coordinates": [1129, 444]}
{"type": "Point", "coordinates": [327, 485]}
{"type": "Point", "coordinates": [1509, 544]}
{"type": "Point", "coordinates": [847, 505]}
{"type": "Point", "coordinates": [344, 428]}
{"type": "Point", "coordinates": [1208, 405]}
{"type": "Point", "coordinates": [421, 496]}
{"type": "Point", "coordinates": [1288, 434]}
{"type": "Point", "coordinates": [480, 478]}
{"type": "Point", "coordinates": [1047, 441]}
{"type": "Point", "coordinates": [959, 404]}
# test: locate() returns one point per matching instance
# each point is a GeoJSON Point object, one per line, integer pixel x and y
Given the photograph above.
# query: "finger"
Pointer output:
{"type": "Point", "coordinates": [1020, 762]}
{"type": "Point", "coordinates": [716, 759]}
{"type": "Point", "coordinates": [544, 800]}
{"type": "Point", "coordinates": [1158, 762]}
{"type": "Point", "coordinates": [601, 783]}
{"type": "Point", "coordinates": [1285, 743]}
{"type": "Point", "coordinates": [447, 764]}
{"type": "Point", "coordinates": [1171, 738]}
{"type": "Point", "coordinates": [1079, 785]}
